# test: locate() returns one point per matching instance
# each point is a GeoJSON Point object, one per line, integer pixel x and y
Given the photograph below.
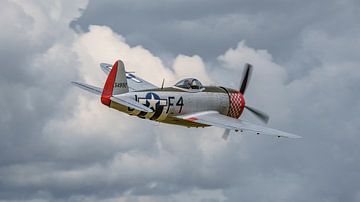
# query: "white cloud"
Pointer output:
{"type": "Point", "coordinates": [101, 44]}
{"type": "Point", "coordinates": [267, 85]}
{"type": "Point", "coordinates": [186, 66]}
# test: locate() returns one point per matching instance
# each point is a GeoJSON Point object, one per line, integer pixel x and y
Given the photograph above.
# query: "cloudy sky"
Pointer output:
{"type": "Point", "coordinates": [59, 143]}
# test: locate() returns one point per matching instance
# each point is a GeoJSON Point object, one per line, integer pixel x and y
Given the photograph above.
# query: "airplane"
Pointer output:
{"type": "Point", "coordinates": [188, 103]}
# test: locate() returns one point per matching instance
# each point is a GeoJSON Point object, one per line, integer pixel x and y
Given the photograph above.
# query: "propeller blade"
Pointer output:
{"type": "Point", "coordinates": [245, 77]}
{"type": "Point", "coordinates": [259, 114]}
{"type": "Point", "coordinates": [226, 134]}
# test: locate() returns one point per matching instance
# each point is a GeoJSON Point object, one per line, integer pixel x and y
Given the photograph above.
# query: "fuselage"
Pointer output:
{"type": "Point", "coordinates": [170, 102]}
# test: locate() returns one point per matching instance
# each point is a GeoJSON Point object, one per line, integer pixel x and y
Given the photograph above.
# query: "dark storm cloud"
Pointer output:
{"type": "Point", "coordinates": [208, 28]}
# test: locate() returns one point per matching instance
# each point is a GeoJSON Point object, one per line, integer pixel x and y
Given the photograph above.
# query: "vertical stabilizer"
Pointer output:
{"type": "Point", "coordinates": [115, 84]}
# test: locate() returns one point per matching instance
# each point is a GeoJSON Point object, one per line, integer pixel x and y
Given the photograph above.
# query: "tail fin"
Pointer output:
{"type": "Point", "coordinates": [115, 84]}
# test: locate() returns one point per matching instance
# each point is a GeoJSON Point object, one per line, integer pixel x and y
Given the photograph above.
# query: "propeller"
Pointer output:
{"type": "Point", "coordinates": [259, 114]}
{"type": "Point", "coordinates": [244, 83]}
{"type": "Point", "coordinates": [246, 77]}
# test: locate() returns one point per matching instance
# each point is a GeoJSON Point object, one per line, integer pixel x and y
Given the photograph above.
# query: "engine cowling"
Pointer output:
{"type": "Point", "coordinates": [236, 103]}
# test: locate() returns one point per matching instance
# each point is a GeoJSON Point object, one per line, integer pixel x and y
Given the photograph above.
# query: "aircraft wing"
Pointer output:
{"type": "Point", "coordinates": [214, 118]}
{"type": "Point", "coordinates": [135, 83]}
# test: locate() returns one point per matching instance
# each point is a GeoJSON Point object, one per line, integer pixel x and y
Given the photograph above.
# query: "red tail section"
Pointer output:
{"type": "Point", "coordinates": [109, 85]}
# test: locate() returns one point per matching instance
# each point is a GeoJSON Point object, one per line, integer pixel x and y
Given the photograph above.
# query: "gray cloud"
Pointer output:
{"type": "Point", "coordinates": [209, 28]}
{"type": "Point", "coordinates": [59, 144]}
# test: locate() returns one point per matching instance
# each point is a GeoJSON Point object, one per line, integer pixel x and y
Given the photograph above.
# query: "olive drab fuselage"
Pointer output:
{"type": "Point", "coordinates": [167, 103]}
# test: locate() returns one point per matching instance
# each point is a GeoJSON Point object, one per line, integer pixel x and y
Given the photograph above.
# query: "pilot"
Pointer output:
{"type": "Point", "coordinates": [187, 84]}
{"type": "Point", "coordinates": [194, 84]}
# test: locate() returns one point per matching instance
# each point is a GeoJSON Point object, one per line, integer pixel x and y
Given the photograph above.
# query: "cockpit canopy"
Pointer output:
{"type": "Point", "coordinates": [189, 83]}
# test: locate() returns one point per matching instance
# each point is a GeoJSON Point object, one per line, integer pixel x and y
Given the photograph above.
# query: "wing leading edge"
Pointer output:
{"type": "Point", "coordinates": [135, 83]}
{"type": "Point", "coordinates": [89, 88]}
{"type": "Point", "coordinates": [214, 118]}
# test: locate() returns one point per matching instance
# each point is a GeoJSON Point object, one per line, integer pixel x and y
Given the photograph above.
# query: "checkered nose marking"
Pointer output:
{"type": "Point", "coordinates": [237, 104]}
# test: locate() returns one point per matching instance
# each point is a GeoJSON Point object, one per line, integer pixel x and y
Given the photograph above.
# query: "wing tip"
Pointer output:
{"type": "Point", "coordinates": [293, 136]}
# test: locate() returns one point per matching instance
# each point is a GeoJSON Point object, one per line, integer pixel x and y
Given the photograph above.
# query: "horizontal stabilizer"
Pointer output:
{"type": "Point", "coordinates": [106, 68]}
{"type": "Point", "coordinates": [130, 103]}
{"type": "Point", "coordinates": [135, 83]}
{"type": "Point", "coordinates": [87, 87]}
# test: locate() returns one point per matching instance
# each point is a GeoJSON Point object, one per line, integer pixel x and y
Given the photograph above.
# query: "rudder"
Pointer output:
{"type": "Point", "coordinates": [115, 84]}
